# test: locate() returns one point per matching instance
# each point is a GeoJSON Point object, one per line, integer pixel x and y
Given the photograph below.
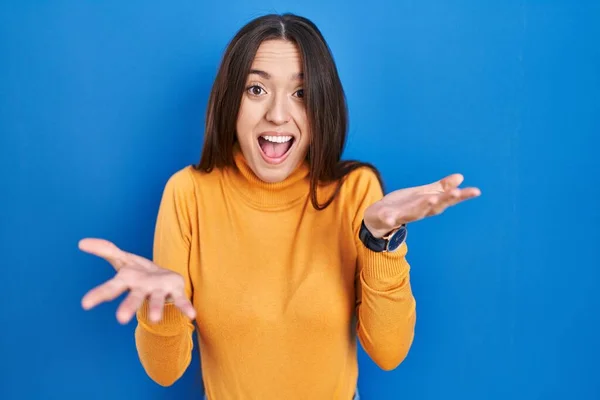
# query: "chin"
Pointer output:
{"type": "Point", "coordinates": [272, 176]}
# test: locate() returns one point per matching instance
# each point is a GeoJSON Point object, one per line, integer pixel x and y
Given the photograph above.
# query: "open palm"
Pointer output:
{"type": "Point", "coordinates": [415, 203]}
{"type": "Point", "coordinates": [141, 277]}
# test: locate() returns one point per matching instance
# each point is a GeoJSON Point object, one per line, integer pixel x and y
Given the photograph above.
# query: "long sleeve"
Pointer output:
{"type": "Point", "coordinates": [386, 308]}
{"type": "Point", "coordinates": [164, 348]}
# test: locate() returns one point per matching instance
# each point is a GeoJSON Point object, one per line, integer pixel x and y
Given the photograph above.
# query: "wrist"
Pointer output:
{"type": "Point", "coordinates": [379, 233]}
{"type": "Point", "coordinates": [389, 241]}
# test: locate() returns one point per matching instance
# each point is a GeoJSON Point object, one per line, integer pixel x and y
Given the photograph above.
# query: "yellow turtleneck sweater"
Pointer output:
{"type": "Point", "coordinates": [281, 290]}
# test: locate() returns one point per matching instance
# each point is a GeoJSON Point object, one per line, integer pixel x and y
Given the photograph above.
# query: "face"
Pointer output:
{"type": "Point", "coordinates": [272, 127]}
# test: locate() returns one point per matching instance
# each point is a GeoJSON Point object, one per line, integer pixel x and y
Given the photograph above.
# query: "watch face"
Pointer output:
{"type": "Point", "coordinates": [397, 239]}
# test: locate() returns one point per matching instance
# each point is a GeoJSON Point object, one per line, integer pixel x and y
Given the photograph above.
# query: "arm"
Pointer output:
{"type": "Point", "coordinates": [385, 306]}
{"type": "Point", "coordinates": [164, 348]}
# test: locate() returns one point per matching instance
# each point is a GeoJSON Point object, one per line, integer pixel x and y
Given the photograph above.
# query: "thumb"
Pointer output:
{"type": "Point", "coordinates": [103, 249]}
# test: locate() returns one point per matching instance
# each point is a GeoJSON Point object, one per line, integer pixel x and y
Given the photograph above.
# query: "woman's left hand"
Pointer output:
{"type": "Point", "coordinates": [415, 203]}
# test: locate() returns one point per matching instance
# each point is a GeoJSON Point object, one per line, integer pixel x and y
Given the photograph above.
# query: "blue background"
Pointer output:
{"type": "Point", "coordinates": [100, 102]}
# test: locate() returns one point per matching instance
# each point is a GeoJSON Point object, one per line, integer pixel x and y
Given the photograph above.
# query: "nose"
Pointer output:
{"type": "Point", "coordinates": [279, 112]}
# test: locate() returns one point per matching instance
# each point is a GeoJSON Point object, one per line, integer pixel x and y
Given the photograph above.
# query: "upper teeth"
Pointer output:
{"type": "Point", "coordinates": [278, 139]}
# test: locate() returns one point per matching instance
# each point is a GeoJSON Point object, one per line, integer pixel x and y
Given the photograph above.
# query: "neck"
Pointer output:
{"type": "Point", "coordinates": [265, 195]}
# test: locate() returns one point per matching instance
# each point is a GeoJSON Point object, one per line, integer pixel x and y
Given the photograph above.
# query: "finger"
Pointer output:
{"type": "Point", "coordinates": [183, 303]}
{"type": "Point", "coordinates": [469, 193]}
{"type": "Point", "coordinates": [451, 181]}
{"type": "Point", "coordinates": [446, 183]}
{"type": "Point", "coordinates": [444, 200]}
{"type": "Point", "coordinates": [104, 249]}
{"type": "Point", "coordinates": [135, 259]}
{"type": "Point", "coordinates": [453, 197]}
{"type": "Point", "coordinates": [108, 291]}
{"type": "Point", "coordinates": [456, 196]}
{"type": "Point", "coordinates": [156, 304]}
{"type": "Point", "coordinates": [130, 305]}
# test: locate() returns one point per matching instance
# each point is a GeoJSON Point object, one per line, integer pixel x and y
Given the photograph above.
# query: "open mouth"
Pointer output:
{"type": "Point", "coordinates": [275, 148]}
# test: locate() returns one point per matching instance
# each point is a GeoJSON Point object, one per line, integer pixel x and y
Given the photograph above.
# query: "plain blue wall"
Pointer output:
{"type": "Point", "coordinates": [101, 101]}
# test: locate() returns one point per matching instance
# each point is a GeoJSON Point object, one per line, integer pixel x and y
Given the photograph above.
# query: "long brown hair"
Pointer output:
{"type": "Point", "coordinates": [324, 97]}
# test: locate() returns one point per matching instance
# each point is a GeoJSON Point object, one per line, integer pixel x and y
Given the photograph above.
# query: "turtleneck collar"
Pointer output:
{"type": "Point", "coordinates": [264, 195]}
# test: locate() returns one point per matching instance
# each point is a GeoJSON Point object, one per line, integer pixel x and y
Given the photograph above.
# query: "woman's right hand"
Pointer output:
{"type": "Point", "coordinates": [141, 277]}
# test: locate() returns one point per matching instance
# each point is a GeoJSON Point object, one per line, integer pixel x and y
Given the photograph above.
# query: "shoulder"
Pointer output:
{"type": "Point", "coordinates": [182, 186]}
{"type": "Point", "coordinates": [181, 181]}
{"type": "Point", "coordinates": [188, 180]}
{"type": "Point", "coordinates": [188, 186]}
{"type": "Point", "coordinates": [363, 181]}
{"type": "Point", "coordinates": [360, 188]}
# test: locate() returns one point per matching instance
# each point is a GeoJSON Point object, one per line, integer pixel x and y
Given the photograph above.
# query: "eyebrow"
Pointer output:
{"type": "Point", "coordinates": [266, 75]}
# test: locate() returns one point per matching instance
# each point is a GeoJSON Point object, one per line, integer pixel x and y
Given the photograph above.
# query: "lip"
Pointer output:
{"type": "Point", "coordinates": [279, 160]}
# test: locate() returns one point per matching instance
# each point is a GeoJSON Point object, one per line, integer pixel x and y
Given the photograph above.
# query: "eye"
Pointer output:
{"type": "Point", "coordinates": [300, 93]}
{"type": "Point", "coordinates": [255, 90]}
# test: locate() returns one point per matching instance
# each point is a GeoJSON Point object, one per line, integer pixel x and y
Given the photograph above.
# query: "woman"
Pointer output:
{"type": "Point", "coordinates": [281, 253]}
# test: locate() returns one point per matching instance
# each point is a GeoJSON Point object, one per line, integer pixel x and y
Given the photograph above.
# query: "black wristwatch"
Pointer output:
{"type": "Point", "coordinates": [390, 242]}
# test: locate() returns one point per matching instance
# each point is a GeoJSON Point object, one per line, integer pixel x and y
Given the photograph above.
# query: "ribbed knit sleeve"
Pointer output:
{"type": "Point", "coordinates": [385, 306]}
{"type": "Point", "coordinates": [164, 348]}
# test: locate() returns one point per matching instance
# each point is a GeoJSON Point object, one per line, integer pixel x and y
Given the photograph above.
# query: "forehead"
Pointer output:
{"type": "Point", "coordinates": [278, 57]}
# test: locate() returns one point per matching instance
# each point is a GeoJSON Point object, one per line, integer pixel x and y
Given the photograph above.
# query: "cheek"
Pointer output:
{"type": "Point", "coordinates": [306, 133]}
{"type": "Point", "coordinates": [301, 120]}
{"type": "Point", "coordinates": [247, 118]}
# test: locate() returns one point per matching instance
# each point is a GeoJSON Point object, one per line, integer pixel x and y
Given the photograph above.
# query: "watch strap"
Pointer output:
{"type": "Point", "coordinates": [380, 245]}
{"type": "Point", "coordinates": [371, 242]}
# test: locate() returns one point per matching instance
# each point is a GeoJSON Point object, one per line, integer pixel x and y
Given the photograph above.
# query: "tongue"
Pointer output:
{"type": "Point", "coordinates": [274, 150]}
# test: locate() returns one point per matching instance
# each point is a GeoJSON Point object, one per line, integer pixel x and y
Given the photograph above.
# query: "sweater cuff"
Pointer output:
{"type": "Point", "coordinates": [384, 271]}
{"type": "Point", "coordinates": [173, 321]}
